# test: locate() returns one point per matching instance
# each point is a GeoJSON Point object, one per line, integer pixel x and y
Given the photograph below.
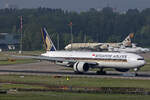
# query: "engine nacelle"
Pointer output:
{"type": "Point", "coordinates": [81, 67]}
{"type": "Point", "coordinates": [122, 69]}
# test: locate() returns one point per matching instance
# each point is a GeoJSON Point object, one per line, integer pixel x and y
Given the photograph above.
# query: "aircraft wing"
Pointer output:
{"type": "Point", "coordinates": [40, 58]}
{"type": "Point", "coordinates": [53, 59]}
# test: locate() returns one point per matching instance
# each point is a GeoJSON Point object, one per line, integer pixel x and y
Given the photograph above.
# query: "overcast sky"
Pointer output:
{"type": "Point", "coordinates": [77, 5]}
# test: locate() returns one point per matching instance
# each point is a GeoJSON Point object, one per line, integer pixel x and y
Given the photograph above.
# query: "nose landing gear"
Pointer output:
{"type": "Point", "coordinates": [136, 70]}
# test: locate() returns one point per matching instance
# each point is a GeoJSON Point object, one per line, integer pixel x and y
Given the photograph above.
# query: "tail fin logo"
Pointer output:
{"type": "Point", "coordinates": [127, 41]}
{"type": "Point", "coordinates": [131, 35]}
{"type": "Point", "coordinates": [49, 46]}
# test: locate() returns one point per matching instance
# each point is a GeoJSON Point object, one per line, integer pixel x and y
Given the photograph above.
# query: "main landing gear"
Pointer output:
{"type": "Point", "coordinates": [101, 72]}
{"type": "Point", "coordinates": [136, 70]}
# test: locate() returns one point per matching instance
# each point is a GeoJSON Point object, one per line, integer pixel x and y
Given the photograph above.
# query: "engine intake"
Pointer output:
{"type": "Point", "coordinates": [81, 67]}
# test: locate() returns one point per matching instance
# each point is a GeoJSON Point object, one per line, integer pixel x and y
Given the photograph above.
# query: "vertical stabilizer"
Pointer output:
{"type": "Point", "coordinates": [127, 41]}
{"type": "Point", "coordinates": [49, 46]}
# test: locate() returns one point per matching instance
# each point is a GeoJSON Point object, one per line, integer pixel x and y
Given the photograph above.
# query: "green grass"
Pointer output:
{"type": "Point", "coordinates": [77, 82]}
{"type": "Point", "coordinates": [69, 96]}
{"type": "Point", "coordinates": [6, 86]}
{"type": "Point", "coordinates": [145, 68]}
{"type": "Point", "coordinates": [147, 60]}
{"type": "Point", "coordinates": [6, 59]}
{"type": "Point", "coordinates": [16, 61]}
{"type": "Point", "coordinates": [73, 81]}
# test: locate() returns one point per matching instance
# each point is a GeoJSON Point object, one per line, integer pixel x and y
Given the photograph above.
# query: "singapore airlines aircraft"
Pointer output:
{"type": "Point", "coordinates": [101, 46]}
{"type": "Point", "coordinates": [82, 61]}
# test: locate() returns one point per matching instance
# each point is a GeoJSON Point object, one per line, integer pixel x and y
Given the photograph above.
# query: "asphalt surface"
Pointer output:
{"type": "Point", "coordinates": [47, 68]}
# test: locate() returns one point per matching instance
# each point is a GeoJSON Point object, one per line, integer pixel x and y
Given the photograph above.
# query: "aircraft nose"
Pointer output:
{"type": "Point", "coordinates": [143, 63]}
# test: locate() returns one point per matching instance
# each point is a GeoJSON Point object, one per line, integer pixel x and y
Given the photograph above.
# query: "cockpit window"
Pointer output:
{"type": "Point", "coordinates": [140, 59]}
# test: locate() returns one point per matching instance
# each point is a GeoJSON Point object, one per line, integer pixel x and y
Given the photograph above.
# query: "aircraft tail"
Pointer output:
{"type": "Point", "coordinates": [127, 41]}
{"type": "Point", "coordinates": [49, 46]}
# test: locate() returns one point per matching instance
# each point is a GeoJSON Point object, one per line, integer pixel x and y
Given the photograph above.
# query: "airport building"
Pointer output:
{"type": "Point", "coordinates": [9, 41]}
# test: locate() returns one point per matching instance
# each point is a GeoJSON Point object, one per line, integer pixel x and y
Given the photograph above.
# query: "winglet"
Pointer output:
{"type": "Point", "coordinates": [49, 46]}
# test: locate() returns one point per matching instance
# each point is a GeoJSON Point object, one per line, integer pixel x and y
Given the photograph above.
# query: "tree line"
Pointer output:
{"type": "Point", "coordinates": [93, 25]}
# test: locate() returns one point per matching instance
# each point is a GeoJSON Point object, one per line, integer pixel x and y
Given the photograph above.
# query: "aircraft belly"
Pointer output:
{"type": "Point", "coordinates": [115, 64]}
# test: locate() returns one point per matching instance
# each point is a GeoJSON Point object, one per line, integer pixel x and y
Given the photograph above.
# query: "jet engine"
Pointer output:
{"type": "Point", "coordinates": [80, 67]}
{"type": "Point", "coordinates": [122, 69]}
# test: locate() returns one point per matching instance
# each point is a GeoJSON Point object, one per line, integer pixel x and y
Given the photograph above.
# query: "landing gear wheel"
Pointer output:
{"type": "Point", "coordinates": [101, 72]}
{"type": "Point", "coordinates": [78, 72]}
{"type": "Point", "coordinates": [136, 74]}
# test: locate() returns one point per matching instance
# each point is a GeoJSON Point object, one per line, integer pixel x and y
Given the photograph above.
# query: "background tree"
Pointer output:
{"type": "Point", "coordinates": [99, 26]}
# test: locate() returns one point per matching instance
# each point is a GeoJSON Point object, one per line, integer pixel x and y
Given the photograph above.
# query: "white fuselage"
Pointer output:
{"type": "Point", "coordinates": [95, 46]}
{"type": "Point", "coordinates": [103, 59]}
{"type": "Point", "coordinates": [131, 50]}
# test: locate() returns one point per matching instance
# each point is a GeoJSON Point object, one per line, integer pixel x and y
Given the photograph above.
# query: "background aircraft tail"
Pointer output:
{"type": "Point", "coordinates": [127, 41]}
{"type": "Point", "coordinates": [49, 46]}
